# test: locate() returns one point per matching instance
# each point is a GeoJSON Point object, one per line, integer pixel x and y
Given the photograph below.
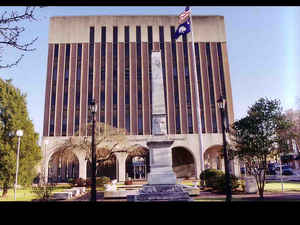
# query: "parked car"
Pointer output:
{"type": "Point", "coordinates": [271, 169]}
{"type": "Point", "coordinates": [287, 170]}
{"type": "Point", "coordinates": [243, 170]}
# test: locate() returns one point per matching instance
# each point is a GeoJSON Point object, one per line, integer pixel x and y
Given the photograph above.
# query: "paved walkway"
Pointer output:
{"type": "Point", "coordinates": [208, 196]}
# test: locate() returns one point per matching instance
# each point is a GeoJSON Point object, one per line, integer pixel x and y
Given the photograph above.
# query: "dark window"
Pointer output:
{"type": "Point", "coordinates": [211, 89]}
{"type": "Point", "coordinates": [150, 46]}
{"type": "Point", "coordinates": [163, 64]}
{"type": "Point", "coordinates": [78, 79]}
{"type": "Point", "coordinates": [222, 78]}
{"type": "Point", "coordinates": [52, 114]}
{"type": "Point", "coordinates": [66, 87]}
{"type": "Point", "coordinates": [115, 75]}
{"type": "Point", "coordinates": [175, 77]}
{"type": "Point", "coordinates": [91, 64]}
{"type": "Point", "coordinates": [67, 62]}
{"type": "Point", "coordinates": [140, 123]}
{"type": "Point", "coordinates": [103, 61]}
{"type": "Point", "coordinates": [187, 84]}
{"type": "Point", "coordinates": [127, 81]}
{"type": "Point", "coordinates": [53, 91]}
{"type": "Point", "coordinates": [76, 122]}
{"type": "Point", "coordinates": [198, 67]}
{"type": "Point", "coordinates": [139, 80]}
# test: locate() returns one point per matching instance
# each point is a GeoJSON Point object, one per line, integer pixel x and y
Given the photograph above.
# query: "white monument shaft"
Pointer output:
{"type": "Point", "coordinates": [160, 151]}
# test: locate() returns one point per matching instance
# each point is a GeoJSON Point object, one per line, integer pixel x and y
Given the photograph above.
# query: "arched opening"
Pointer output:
{"type": "Point", "coordinates": [138, 165]}
{"type": "Point", "coordinates": [213, 159]}
{"type": "Point", "coordinates": [63, 166]}
{"type": "Point", "coordinates": [183, 163]}
{"type": "Point", "coordinates": [107, 169]}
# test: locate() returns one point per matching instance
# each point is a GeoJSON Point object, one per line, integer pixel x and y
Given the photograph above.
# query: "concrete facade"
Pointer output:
{"type": "Point", "coordinates": [188, 142]}
{"type": "Point", "coordinates": [105, 56]}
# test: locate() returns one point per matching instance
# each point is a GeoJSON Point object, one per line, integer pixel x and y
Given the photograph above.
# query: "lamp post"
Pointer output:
{"type": "Point", "coordinates": [221, 104]}
{"type": "Point", "coordinates": [19, 133]}
{"type": "Point", "coordinates": [93, 110]}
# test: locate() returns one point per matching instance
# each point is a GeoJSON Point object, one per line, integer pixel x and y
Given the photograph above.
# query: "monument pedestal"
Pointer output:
{"type": "Point", "coordinates": [161, 179]}
{"type": "Point", "coordinates": [160, 192]}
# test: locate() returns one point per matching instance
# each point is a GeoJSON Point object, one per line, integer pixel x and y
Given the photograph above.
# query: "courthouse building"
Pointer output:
{"type": "Point", "coordinates": [108, 58]}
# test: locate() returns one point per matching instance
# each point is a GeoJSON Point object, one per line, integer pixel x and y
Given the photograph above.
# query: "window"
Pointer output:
{"type": "Point", "coordinates": [163, 64]}
{"type": "Point", "coordinates": [219, 47]}
{"type": "Point", "coordinates": [139, 80]}
{"type": "Point", "coordinates": [103, 61]}
{"type": "Point", "coordinates": [115, 75]}
{"type": "Point", "coordinates": [53, 89]}
{"type": "Point", "coordinates": [66, 87]}
{"type": "Point", "coordinates": [198, 67]}
{"type": "Point", "coordinates": [187, 84]}
{"type": "Point", "coordinates": [175, 77]}
{"type": "Point", "coordinates": [150, 46]}
{"type": "Point", "coordinates": [211, 89]}
{"type": "Point", "coordinates": [77, 93]}
{"type": "Point", "coordinates": [91, 64]}
{"type": "Point", "coordinates": [127, 80]}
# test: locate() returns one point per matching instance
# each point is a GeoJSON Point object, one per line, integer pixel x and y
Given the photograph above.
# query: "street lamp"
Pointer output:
{"type": "Point", "coordinates": [221, 104]}
{"type": "Point", "coordinates": [93, 110]}
{"type": "Point", "coordinates": [19, 133]}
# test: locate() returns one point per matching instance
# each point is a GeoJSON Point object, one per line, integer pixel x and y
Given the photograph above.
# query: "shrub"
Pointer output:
{"type": "Point", "coordinates": [209, 176]}
{"type": "Point", "coordinates": [100, 181]}
{"type": "Point", "coordinates": [216, 179]}
{"type": "Point", "coordinates": [43, 191]}
{"type": "Point", "coordinates": [88, 182]}
{"type": "Point", "coordinates": [220, 183]}
{"type": "Point", "coordinates": [71, 181]}
{"type": "Point", "coordinates": [79, 182]}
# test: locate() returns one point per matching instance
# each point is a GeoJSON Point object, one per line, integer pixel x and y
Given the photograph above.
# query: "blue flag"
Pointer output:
{"type": "Point", "coordinates": [183, 29]}
{"type": "Point", "coordinates": [185, 23]}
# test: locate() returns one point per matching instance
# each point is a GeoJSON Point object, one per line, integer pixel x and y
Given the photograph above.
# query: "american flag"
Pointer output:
{"type": "Point", "coordinates": [184, 23]}
{"type": "Point", "coordinates": [185, 15]}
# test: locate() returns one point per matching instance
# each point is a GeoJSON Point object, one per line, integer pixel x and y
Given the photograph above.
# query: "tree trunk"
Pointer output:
{"type": "Point", "coordinates": [5, 190]}
{"type": "Point", "coordinates": [261, 193]}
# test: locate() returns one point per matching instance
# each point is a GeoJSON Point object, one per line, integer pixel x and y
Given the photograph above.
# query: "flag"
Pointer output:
{"type": "Point", "coordinates": [185, 15]}
{"type": "Point", "coordinates": [184, 23]}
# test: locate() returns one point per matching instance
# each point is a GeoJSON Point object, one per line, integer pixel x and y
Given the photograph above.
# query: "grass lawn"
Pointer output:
{"type": "Point", "coordinates": [25, 194]}
{"type": "Point", "coordinates": [275, 186]}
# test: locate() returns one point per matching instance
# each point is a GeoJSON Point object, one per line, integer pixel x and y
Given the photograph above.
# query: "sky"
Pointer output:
{"type": "Point", "coordinates": [262, 45]}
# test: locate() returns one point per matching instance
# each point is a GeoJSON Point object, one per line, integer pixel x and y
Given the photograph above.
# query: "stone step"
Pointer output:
{"type": "Point", "coordinates": [62, 195]}
{"type": "Point", "coordinates": [119, 193]}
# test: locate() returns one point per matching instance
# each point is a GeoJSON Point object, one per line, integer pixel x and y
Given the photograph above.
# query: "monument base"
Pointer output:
{"type": "Point", "coordinates": [160, 192]}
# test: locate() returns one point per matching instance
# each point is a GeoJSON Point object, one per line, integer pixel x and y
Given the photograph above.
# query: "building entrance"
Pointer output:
{"type": "Point", "coordinates": [138, 167]}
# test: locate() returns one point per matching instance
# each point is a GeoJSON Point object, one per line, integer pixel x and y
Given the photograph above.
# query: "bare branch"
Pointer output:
{"type": "Point", "coordinates": [11, 33]}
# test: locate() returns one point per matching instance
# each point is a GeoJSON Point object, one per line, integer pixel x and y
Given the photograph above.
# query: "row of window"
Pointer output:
{"type": "Point", "coordinates": [127, 72]}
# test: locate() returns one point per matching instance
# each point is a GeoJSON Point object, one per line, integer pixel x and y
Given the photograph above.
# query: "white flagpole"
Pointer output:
{"type": "Point", "coordinates": [197, 99]}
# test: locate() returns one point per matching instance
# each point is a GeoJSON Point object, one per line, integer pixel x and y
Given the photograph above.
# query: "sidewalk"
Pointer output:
{"type": "Point", "coordinates": [207, 196]}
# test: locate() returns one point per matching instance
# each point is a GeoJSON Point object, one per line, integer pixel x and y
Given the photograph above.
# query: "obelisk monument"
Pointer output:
{"type": "Point", "coordinates": [161, 179]}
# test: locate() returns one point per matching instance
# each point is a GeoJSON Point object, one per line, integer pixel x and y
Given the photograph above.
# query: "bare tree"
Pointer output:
{"type": "Point", "coordinates": [11, 31]}
{"type": "Point", "coordinates": [108, 140]}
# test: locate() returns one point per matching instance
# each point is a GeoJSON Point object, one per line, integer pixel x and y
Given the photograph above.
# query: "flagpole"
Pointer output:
{"type": "Point", "coordinates": [197, 100]}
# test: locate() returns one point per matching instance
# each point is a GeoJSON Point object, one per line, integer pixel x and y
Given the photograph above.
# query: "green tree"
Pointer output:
{"type": "Point", "coordinates": [263, 133]}
{"type": "Point", "coordinates": [14, 116]}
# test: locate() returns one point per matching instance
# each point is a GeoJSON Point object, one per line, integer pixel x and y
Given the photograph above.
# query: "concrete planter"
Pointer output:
{"type": "Point", "coordinates": [250, 185]}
